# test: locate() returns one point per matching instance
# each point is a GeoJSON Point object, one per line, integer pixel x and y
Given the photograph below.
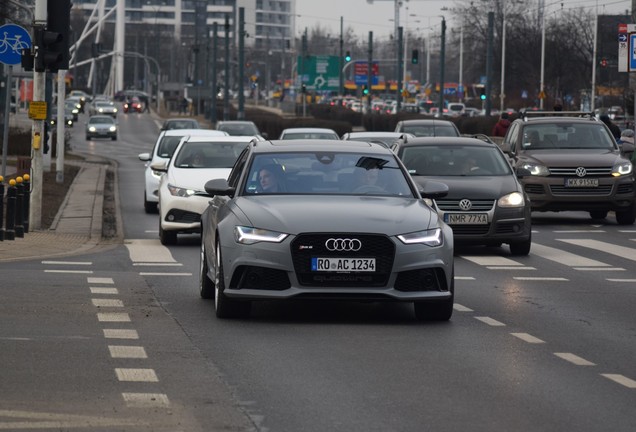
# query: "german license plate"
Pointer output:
{"type": "Point", "coordinates": [581, 182]}
{"type": "Point", "coordinates": [343, 264]}
{"type": "Point", "coordinates": [466, 218]}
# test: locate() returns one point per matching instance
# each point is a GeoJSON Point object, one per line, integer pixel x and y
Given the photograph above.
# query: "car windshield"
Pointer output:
{"type": "Point", "coordinates": [239, 129]}
{"type": "Point", "coordinates": [454, 160]}
{"type": "Point", "coordinates": [327, 173]}
{"type": "Point", "coordinates": [168, 145]}
{"type": "Point", "coordinates": [101, 120]}
{"type": "Point", "coordinates": [181, 124]}
{"type": "Point", "coordinates": [558, 136]}
{"type": "Point", "coordinates": [215, 154]}
{"type": "Point", "coordinates": [308, 135]}
{"type": "Point", "coordinates": [429, 130]}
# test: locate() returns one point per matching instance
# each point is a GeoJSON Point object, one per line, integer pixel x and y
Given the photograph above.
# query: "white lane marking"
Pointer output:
{"type": "Point", "coordinates": [491, 260]}
{"type": "Point", "coordinates": [509, 268]}
{"type": "Point", "coordinates": [70, 271]}
{"type": "Point", "coordinates": [125, 351]}
{"type": "Point", "coordinates": [574, 359]}
{"type": "Point", "coordinates": [136, 375]}
{"type": "Point", "coordinates": [100, 280]}
{"type": "Point", "coordinates": [120, 334]}
{"type": "Point", "coordinates": [564, 257]}
{"type": "Point", "coordinates": [44, 420]}
{"type": "Point", "coordinates": [96, 290]}
{"type": "Point", "coordinates": [461, 308]}
{"type": "Point", "coordinates": [528, 338]}
{"type": "Point", "coordinates": [113, 317]}
{"type": "Point", "coordinates": [144, 250]}
{"type": "Point", "coordinates": [464, 278]}
{"type": "Point", "coordinates": [622, 280]}
{"type": "Point", "coordinates": [599, 269]}
{"type": "Point", "coordinates": [79, 263]}
{"type": "Point", "coordinates": [107, 303]}
{"type": "Point", "coordinates": [621, 379]}
{"type": "Point", "coordinates": [527, 278]}
{"type": "Point", "coordinates": [159, 264]}
{"type": "Point", "coordinates": [577, 231]}
{"type": "Point", "coordinates": [610, 248]}
{"type": "Point", "coordinates": [145, 400]}
{"type": "Point", "coordinates": [152, 231]}
{"type": "Point", "coordinates": [490, 321]}
{"type": "Point", "coordinates": [163, 274]}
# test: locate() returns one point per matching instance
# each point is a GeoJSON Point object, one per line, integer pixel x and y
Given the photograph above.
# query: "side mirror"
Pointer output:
{"type": "Point", "coordinates": [144, 157]}
{"type": "Point", "coordinates": [433, 190]}
{"type": "Point", "coordinates": [264, 135]}
{"type": "Point", "coordinates": [219, 186]}
{"type": "Point", "coordinates": [161, 166]}
{"type": "Point", "coordinates": [522, 172]}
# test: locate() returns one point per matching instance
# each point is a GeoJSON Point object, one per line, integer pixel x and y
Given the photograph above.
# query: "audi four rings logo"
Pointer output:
{"type": "Point", "coordinates": [343, 245]}
{"type": "Point", "coordinates": [580, 171]}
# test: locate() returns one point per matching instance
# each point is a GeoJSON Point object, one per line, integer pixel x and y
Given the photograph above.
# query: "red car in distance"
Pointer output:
{"type": "Point", "coordinates": [133, 105]}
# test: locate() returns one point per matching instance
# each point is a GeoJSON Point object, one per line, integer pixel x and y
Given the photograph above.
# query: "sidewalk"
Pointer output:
{"type": "Point", "coordinates": [77, 227]}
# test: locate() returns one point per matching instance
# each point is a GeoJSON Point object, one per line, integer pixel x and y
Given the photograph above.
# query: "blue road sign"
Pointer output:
{"type": "Point", "coordinates": [632, 46]}
{"type": "Point", "coordinates": [13, 39]}
{"type": "Point", "coordinates": [622, 37]}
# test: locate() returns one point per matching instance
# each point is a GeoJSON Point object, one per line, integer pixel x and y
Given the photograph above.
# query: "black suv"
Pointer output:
{"type": "Point", "coordinates": [569, 161]}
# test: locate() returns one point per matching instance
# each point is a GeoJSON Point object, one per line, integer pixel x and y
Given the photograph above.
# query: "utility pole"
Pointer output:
{"type": "Point", "coordinates": [226, 89]}
{"type": "Point", "coordinates": [491, 30]}
{"type": "Point", "coordinates": [241, 68]}
{"type": "Point", "coordinates": [442, 60]}
{"type": "Point", "coordinates": [341, 62]}
{"type": "Point", "coordinates": [213, 82]}
{"type": "Point", "coordinates": [370, 70]}
{"type": "Point", "coordinates": [400, 54]}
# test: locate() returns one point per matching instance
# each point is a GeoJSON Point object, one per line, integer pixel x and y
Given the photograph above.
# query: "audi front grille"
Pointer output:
{"type": "Point", "coordinates": [307, 246]}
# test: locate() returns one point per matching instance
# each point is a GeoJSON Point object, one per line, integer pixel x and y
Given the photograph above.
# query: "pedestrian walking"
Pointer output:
{"type": "Point", "coordinates": [501, 127]}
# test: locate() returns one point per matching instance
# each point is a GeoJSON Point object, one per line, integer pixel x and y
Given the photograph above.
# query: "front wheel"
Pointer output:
{"type": "Point", "coordinates": [434, 310]}
{"type": "Point", "coordinates": [520, 249]}
{"type": "Point", "coordinates": [226, 307]}
{"type": "Point", "coordinates": [206, 286]}
{"type": "Point", "coordinates": [626, 217]}
{"type": "Point", "coordinates": [167, 238]}
{"type": "Point", "coordinates": [598, 214]}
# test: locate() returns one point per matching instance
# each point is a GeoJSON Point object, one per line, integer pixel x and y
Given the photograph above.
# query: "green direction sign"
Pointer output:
{"type": "Point", "coordinates": [319, 73]}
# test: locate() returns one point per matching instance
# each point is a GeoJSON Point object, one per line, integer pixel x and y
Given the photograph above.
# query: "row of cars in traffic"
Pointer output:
{"type": "Point", "coordinates": [373, 215]}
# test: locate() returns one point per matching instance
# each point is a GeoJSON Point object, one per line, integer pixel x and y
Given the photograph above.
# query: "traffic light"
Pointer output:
{"type": "Point", "coordinates": [348, 56]}
{"type": "Point", "coordinates": [415, 56]}
{"type": "Point", "coordinates": [482, 93]}
{"type": "Point", "coordinates": [303, 89]}
{"type": "Point", "coordinates": [56, 36]}
{"type": "Point", "coordinates": [47, 58]}
{"type": "Point", "coordinates": [365, 90]}
{"type": "Point", "coordinates": [603, 62]}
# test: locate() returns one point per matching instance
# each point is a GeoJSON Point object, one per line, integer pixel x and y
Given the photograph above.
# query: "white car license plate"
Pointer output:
{"type": "Point", "coordinates": [466, 218]}
{"type": "Point", "coordinates": [343, 264]}
{"type": "Point", "coordinates": [581, 182]}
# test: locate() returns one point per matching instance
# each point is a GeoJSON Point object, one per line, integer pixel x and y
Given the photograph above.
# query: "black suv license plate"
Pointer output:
{"type": "Point", "coordinates": [581, 182]}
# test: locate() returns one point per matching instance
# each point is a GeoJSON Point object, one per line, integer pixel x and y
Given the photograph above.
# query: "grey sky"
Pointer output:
{"type": "Point", "coordinates": [365, 17]}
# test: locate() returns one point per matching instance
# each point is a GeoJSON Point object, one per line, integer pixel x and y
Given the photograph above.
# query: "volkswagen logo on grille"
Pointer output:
{"type": "Point", "coordinates": [343, 245]}
{"type": "Point", "coordinates": [580, 171]}
{"type": "Point", "coordinates": [465, 204]}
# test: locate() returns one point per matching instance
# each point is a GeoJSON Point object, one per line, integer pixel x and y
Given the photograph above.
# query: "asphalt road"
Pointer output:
{"type": "Point", "coordinates": [539, 343]}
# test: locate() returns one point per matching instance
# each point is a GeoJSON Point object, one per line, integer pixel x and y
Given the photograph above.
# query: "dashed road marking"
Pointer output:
{"type": "Point", "coordinates": [464, 278]}
{"type": "Point", "coordinates": [622, 280]}
{"type": "Point", "coordinates": [461, 308]}
{"type": "Point", "coordinates": [550, 279]}
{"type": "Point", "coordinates": [490, 321]}
{"type": "Point", "coordinates": [113, 317]}
{"type": "Point", "coordinates": [158, 264]}
{"type": "Point", "coordinates": [78, 263]}
{"type": "Point", "coordinates": [125, 351]}
{"type": "Point", "coordinates": [70, 271]}
{"type": "Point", "coordinates": [574, 359]}
{"type": "Point", "coordinates": [120, 334]}
{"type": "Point", "coordinates": [107, 303]}
{"type": "Point", "coordinates": [145, 400]}
{"type": "Point", "coordinates": [97, 290]}
{"type": "Point", "coordinates": [100, 280]}
{"type": "Point", "coordinates": [136, 375]}
{"type": "Point", "coordinates": [563, 257]}
{"type": "Point", "coordinates": [528, 338]}
{"type": "Point", "coordinates": [492, 261]}
{"type": "Point", "coordinates": [610, 248]}
{"type": "Point", "coordinates": [598, 268]}
{"type": "Point", "coordinates": [163, 274]}
{"type": "Point", "coordinates": [144, 250]}
{"type": "Point", "coordinates": [509, 268]}
{"type": "Point", "coordinates": [621, 379]}
{"type": "Point", "coordinates": [44, 420]}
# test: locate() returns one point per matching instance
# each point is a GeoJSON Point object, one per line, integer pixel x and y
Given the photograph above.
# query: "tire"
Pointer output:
{"type": "Point", "coordinates": [224, 306]}
{"type": "Point", "coordinates": [440, 310]}
{"type": "Point", "coordinates": [149, 207]}
{"type": "Point", "coordinates": [167, 238]}
{"type": "Point", "coordinates": [114, 138]}
{"type": "Point", "coordinates": [520, 249]}
{"type": "Point", "coordinates": [88, 137]}
{"type": "Point", "coordinates": [598, 214]}
{"type": "Point", "coordinates": [206, 286]}
{"type": "Point", "coordinates": [626, 217]}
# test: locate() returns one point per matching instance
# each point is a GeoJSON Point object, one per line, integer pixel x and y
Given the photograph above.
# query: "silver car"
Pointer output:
{"type": "Point", "coordinates": [324, 219]}
{"type": "Point", "coordinates": [101, 126]}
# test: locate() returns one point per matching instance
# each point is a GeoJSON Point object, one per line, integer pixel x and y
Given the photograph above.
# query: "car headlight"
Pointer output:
{"type": "Point", "coordinates": [514, 199]}
{"type": "Point", "coordinates": [622, 169]}
{"type": "Point", "coordinates": [180, 192]}
{"type": "Point", "coordinates": [432, 237]}
{"type": "Point", "coordinates": [101, 110]}
{"type": "Point", "coordinates": [113, 128]}
{"type": "Point", "coordinates": [114, 110]}
{"type": "Point", "coordinates": [536, 169]}
{"type": "Point", "coordinates": [251, 235]}
{"type": "Point", "coordinates": [92, 128]}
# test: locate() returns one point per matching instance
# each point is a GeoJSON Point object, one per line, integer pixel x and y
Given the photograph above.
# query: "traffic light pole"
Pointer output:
{"type": "Point", "coordinates": [37, 131]}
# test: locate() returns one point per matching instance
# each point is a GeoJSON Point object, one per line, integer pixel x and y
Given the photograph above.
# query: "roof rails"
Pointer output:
{"type": "Point", "coordinates": [537, 113]}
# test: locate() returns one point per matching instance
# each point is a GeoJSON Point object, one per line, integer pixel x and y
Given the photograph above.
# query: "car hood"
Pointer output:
{"type": "Point", "coordinates": [194, 178]}
{"type": "Point", "coordinates": [481, 187]}
{"type": "Point", "coordinates": [565, 158]}
{"type": "Point", "coordinates": [294, 214]}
